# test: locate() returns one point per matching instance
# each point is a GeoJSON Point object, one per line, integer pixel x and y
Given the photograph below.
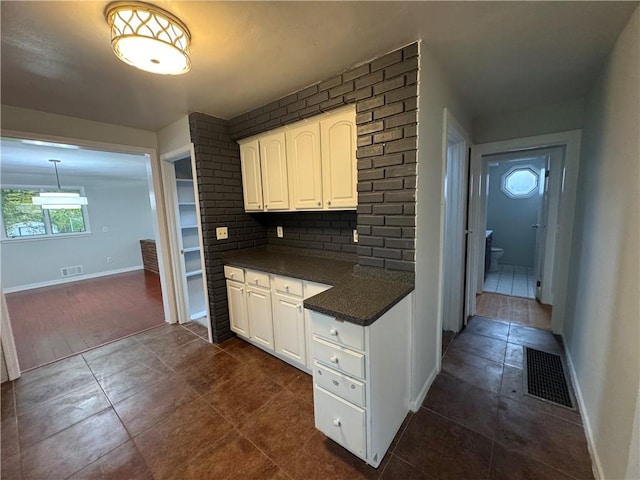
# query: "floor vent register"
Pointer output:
{"type": "Point", "coordinates": [545, 379]}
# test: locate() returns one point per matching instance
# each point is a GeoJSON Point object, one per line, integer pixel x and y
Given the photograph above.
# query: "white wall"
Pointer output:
{"type": "Point", "coordinates": [174, 136]}
{"type": "Point", "coordinates": [435, 94]}
{"type": "Point", "coordinates": [24, 120]}
{"type": "Point", "coordinates": [601, 329]}
{"type": "Point", "coordinates": [121, 205]}
{"type": "Point", "coordinates": [530, 122]}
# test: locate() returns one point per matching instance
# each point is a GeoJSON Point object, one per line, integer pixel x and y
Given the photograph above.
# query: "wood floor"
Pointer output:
{"type": "Point", "coordinates": [524, 311]}
{"type": "Point", "coordinates": [54, 322]}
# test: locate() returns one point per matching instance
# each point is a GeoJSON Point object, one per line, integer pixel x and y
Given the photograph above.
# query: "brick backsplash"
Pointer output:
{"type": "Point", "coordinates": [329, 231]}
{"type": "Point", "coordinates": [385, 93]}
{"type": "Point", "coordinates": [221, 204]}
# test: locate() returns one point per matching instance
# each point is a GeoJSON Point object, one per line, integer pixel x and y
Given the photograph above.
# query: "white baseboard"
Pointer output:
{"type": "Point", "coordinates": [595, 459]}
{"type": "Point", "coordinates": [415, 405]}
{"type": "Point", "coordinates": [77, 278]}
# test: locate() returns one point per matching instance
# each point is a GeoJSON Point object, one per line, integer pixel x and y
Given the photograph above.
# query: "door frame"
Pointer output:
{"type": "Point", "coordinates": [570, 140]}
{"type": "Point", "coordinates": [155, 186]}
{"type": "Point", "coordinates": [455, 193]}
{"type": "Point", "coordinates": [171, 201]}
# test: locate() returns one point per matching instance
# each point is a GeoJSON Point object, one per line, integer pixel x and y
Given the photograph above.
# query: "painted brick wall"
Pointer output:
{"type": "Point", "coordinates": [385, 93]}
{"type": "Point", "coordinates": [221, 204]}
{"type": "Point", "coordinates": [329, 231]}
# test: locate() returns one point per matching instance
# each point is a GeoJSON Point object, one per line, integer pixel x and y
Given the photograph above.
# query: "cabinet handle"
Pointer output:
{"type": "Point", "coordinates": [336, 422]}
{"type": "Point", "coordinates": [256, 281]}
{"type": "Point", "coordinates": [329, 202]}
{"type": "Point", "coordinates": [333, 332]}
{"type": "Point", "coordinates": [299, 307]}
{"type": "Point", "coordinates": [286, 287]}
{"type": "Point", "coordinates": [319, 204]}
{"type": "Point", "coordinates": [334, 359]}
{"type": "Point", "coordinates": [232, 275]}
{"type": "Point", "coordinates": [336, 383]}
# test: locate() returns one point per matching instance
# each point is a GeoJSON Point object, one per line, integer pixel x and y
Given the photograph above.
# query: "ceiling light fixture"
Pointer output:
{"type": "Point", "coordinates": [59, 200]}
{"type": "Point", "coordinates": [149, 37]}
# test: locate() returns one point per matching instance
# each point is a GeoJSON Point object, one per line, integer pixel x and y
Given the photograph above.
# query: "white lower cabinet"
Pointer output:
{"type": "Point", "coordinates": [268, 311]}
{"type": "Point", "coordinates": [344, 421]}
{"type": "Point", "coordinates": [288, 327]}
{"type": "Point", "coordinates": [361, 380]}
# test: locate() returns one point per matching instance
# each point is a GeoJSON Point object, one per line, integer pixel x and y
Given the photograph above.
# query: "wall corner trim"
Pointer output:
{"type": "Point", "coordinates": [416, 403]}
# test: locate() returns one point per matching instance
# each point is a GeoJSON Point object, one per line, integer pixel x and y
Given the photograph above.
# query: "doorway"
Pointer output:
{"type": "Point", "coordinates": [73, 275]}
{"type": "Point", "coordinates": [545, 166]}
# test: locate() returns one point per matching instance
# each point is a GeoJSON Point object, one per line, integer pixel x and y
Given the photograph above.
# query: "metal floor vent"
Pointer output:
{"type": "Point", "coordinates": [544, 378]}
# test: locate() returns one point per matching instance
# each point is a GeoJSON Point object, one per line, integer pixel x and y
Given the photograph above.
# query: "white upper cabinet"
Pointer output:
{"type": "Point", "coordinates": [305, 169]}
{"type": "Point", "coordinates": [273, 161]}
{"type": "Point", "coordinates": [251, 176]}
{"type": "Point", "coordinates": [309, 165]}
{"type": "Point", "coordinates": [339, 169]}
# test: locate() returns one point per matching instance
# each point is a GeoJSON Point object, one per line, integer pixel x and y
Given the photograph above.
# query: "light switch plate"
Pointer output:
{"type": "Point", "coordinates": [355, 236]}
{"type": "Point", "coordinates": [222, 233]}
{"type": "Point", "coordinates": [279, 232]}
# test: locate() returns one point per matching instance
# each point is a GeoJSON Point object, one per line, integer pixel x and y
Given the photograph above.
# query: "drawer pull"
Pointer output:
{"type": "Point", "coordinates": [256, 281]}
{"type": "Point", "coordinates": [336, 422]}
{"type": "Point", "coordinates": [334, 359]}
{"type": "Point", "coordinates": [286, 287]}
{"type": "Point", "coordinates": [333, 332]}
{"type": "Point", "coordinates": [232, 274]}
{"type": "Point", "coordinates": [336, 383]}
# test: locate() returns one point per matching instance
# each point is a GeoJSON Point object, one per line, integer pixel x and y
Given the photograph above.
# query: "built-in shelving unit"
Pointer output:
{"type": "Point", "coordinates": [188, 237]}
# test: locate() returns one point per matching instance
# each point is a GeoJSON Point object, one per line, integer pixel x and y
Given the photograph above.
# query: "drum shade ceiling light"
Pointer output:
{"type": "Point", "coordinates": [149, 38]}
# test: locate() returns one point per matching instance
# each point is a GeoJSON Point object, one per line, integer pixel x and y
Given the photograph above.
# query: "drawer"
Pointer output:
{"type": "Point", "coordinates": [338, 358]}
{"type": "Point", "coordinates": [288, 285]}
{"type": "Point", "coordinates": [341, 421]}
{"type": "Point", "coordinates": [336, 331]}
{"type": "Point", "coordinates": [257, 278]}
{"type": "Point", "coordinates": [343, 386]}
{"type": "Point", "coordinates": [234, 273]}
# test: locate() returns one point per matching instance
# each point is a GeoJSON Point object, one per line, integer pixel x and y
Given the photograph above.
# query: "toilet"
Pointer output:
{"type": "Point", "coordinates": [496, 253]}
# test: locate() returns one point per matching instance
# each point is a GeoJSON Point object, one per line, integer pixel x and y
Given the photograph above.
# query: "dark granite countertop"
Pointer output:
{"type": "Point", "coordinates": [356, 298]}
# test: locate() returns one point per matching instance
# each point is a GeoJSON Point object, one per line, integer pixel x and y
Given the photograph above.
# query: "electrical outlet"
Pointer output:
{"type": "Point", "coordinates": [355, 236]}
{"type": "Point", "coordinates": [222, 233]}
{"type": "Point", "coordinates": [279, 232]}
{"type": "Point", "coordinates": [109, 259]}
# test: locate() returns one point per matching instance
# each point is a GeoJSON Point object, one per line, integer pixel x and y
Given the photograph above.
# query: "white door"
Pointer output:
{"type": "Point", "coordinates": [304, 166]}
{"type": "Point", "coordinates": [455, 306]}
{"type": "Point", "coordinates": [251, 176]}
{"type": "Point", "coordinates": [237, 308]}
{"type": "Point", "coordinates": [273, 163]}
{"type": "Point", "coordinates": [288, 326]}
{"type": "Point", "coordinates": [338, 143]}
{"type": "Point", "coordinates": [259, 314]}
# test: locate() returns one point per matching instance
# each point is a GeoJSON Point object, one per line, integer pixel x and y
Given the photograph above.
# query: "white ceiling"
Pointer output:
{"type": "Point", "coordinates": [499, 56]}
{"type": "Point", "coordinates": [21, 158]}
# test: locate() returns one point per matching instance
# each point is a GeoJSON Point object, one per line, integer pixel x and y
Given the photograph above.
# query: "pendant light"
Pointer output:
{"type": "Point", "coordinates": [149, 38]}
{"type": "Point", "coordinates": [59, 200]}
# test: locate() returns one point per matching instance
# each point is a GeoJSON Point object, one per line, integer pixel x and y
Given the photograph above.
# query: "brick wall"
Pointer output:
{"type": "Point", "coordinates": [221, 204]}
{"type": "Point", "coordinates": [149, 255]}
{"type": "Point", "coordinates": [329, 231]}
{"type": "Point", "coordinates": [384, 92]}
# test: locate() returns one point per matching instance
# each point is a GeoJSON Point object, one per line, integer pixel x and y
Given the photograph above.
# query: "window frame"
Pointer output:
{"type": "Point", "coordinates": [49, 235]}
{"type": "Point", "coordinates": [503, 183]}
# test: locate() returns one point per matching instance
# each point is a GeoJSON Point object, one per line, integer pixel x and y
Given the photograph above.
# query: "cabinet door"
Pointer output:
{"type": "Point", "coordinates": [259, 313]}
{"type": "Point", "coordinates": [304, 165]}
{"type": "Point", "coordinates": [237, 308]}
{"type": "Point", "coordinates": [288, 327]}
{"type": "Point", "coordinates": [251, 176]}
{"type": "Point", "coordinates": [273, 163]}
{"type": "Point", "coordinates": [339, 170]}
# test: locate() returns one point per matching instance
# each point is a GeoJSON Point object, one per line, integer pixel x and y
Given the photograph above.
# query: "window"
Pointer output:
{"type": "Point", "coordinates": [22, 219]}
{"type": "Point", "coordinates": [520, 182]}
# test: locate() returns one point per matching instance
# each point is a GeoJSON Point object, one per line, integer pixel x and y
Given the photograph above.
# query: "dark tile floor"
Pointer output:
{"type": "Point", "coordinates": [164, 404]}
